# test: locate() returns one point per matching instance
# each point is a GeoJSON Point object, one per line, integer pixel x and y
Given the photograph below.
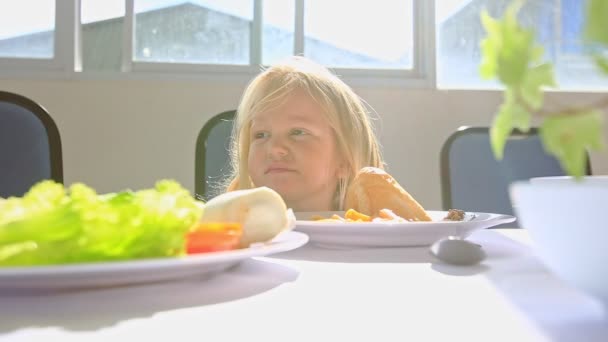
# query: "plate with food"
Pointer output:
{"type": "Point", "coordinates": [54, 238]}
{"type": "Point", "coordinates": [382, 214]}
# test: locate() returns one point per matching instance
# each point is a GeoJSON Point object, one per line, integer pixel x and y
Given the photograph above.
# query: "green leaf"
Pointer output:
{"type": "Point", "coordinates": [521, 117]}
{"type": "Point", "coordinates": [508, 49]}
{"type": "Point", "coordinates": [516, 50]}
{"type": "Point", "coordinates": [532, 86]}
{"type": "Point", "coordinates": [510, 115]}
{"type": "Point", "coordinates": [537, 53]}
{"type": "Point", "coordinates": [489, 46]}
{"type": "Point", "coordinates": [569, 137]}
{"type": "Point", "coordinates": [601, 62]}
{"type": "Point", "coordinates": [597, 17]}
{"type": "Point", "coordinates": [511, 55]}
{"type": "Point", "coordinates": [500, 131]}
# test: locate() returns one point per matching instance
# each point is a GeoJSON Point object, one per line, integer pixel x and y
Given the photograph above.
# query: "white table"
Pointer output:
{"type": "Point", "coordinates": [314, 294]}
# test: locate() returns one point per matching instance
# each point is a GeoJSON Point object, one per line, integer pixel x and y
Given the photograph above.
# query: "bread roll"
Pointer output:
{"type": "Point", "coordinates": [261, 211]}
{"type": "Point", "coordinates": [373, 189]}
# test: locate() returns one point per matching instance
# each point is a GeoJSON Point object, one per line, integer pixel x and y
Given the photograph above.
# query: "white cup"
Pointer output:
{"type": "Point", "coordinates": [557, 180]}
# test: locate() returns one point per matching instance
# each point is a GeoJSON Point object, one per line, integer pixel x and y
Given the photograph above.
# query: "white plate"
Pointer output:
{"type": "Point", "coordinates": [391, 234]}
{"type": "Point", "coordinates": [140, 271]}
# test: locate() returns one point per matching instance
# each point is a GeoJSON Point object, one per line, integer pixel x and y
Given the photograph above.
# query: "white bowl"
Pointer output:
{"type": "Point", "coordinates": [568, 224]}
{"type": "Point", "coordinates": [591, 180]}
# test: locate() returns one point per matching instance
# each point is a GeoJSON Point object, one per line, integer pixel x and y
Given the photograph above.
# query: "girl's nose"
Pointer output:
{"type": "Point", "coordinates": [277, 149]}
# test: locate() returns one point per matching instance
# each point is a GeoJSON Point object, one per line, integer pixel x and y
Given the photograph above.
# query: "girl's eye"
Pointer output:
{"type": "Point", "coordinates": [260, 135]}
{"type": "Point", "coordinates": [297, 132]}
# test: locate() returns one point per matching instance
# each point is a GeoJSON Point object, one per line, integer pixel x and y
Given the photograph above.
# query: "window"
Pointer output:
{"type": "Point", "coordinates": [278, 30]}
{"type": "Point", "coordinates": [368, 37]}
{"type": "Point", "coordinates": [25, 33]}
{"type": "Point", "coordinates": [367, 34]}
{"type": "Point", "coordinates": [205, 32]}
{"type": "Point", "coordinates": [411, 40]}
{"type": "Point", "coordinates": [102, 25]}
{"type": "Point", "coordinates": [376, 34]}
{"type": "Point", "coordinates": [558, 27]}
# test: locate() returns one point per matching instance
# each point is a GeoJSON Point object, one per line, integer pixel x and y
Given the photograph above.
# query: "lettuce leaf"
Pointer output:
{"type": "Point", "coordinates": [51, 225]}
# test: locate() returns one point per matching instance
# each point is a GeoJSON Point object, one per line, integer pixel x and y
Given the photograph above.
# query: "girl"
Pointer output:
{"type": "Point", "coordinates": [304, 133]}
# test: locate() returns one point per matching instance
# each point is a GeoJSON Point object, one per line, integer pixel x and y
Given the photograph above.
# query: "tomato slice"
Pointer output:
{"type": "Point", "coordinates": [213, 237]}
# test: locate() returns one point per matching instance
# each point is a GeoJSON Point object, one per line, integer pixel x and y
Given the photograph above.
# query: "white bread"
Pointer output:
{"type": "Point", "coordinates": [261, 211]}
{"type": "Point", "coordinates": [373, 189]}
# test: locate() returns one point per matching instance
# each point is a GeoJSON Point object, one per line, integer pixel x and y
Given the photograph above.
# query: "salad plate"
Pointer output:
{"type": "Point", "coordinates": [116, 273]}
{"type": "Point", "coordinates": [391, 233]}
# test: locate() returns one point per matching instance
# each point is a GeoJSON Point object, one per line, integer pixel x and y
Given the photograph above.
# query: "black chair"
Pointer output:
{"type": "Point", "coordinates": [212, 159]}
{"type": "Point", "coordinates": [30, 146]}
{"type": "Point", "coordinates": [473, 180]}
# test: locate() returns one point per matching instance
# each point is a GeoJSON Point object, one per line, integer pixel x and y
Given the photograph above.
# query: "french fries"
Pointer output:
{"type": "Point", "coordinates": [351, 215]}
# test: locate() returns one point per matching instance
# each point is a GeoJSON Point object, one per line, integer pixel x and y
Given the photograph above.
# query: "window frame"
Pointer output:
{"type": "Point", "coordinates": [67, 59]}
{"type": "Point", "coordinates": [66, 44]}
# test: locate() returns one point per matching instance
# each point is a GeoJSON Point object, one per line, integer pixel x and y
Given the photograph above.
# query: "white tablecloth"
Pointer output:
{"type": "Point", "coordinates": [314, 294]}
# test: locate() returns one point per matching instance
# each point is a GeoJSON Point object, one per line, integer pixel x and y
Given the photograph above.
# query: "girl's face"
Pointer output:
{"type": "Point", "coordinates": [293, 151]}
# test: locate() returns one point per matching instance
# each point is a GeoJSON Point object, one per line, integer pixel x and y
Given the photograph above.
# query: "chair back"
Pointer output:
{"type": "Point", "coordinates": [473, 180]}
{"type": "Point", "coordinates": [30, 146]}
{"type": "Point", "coordinates": [212, 159]}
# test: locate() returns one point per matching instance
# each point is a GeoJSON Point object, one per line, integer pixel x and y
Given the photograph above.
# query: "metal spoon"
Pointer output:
{"type": "Point", "coordinates": [457, 251]}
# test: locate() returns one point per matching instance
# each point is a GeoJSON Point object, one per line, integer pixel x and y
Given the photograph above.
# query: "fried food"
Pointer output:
{"type": "Point", "coordinates": [373, 190]}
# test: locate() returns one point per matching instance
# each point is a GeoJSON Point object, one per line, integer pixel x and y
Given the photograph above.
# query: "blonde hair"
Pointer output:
{"type": "Point", "coordinates": [346, 114]}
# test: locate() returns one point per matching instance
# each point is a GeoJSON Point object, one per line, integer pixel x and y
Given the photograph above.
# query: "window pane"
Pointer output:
{"type": "Point", "coordinates": [102, 26]}
{"type": "Point", "coordinates": [558, 27]}
{"type": "Point", "coordinates": [213, 31]}
{"type": "Point", "coordinates": [277, 33]}
{"type": "Point", "coordinates": [359, 34]}
{"type": "Point", "coordinates": [25, 32]}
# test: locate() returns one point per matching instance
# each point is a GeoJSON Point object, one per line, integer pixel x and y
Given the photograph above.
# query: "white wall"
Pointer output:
{"type": "Point", "coordinates": [120, 134]}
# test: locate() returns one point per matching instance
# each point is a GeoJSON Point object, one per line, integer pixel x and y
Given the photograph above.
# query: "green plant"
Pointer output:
{"type": "Point", "coordinates": [512, 55]}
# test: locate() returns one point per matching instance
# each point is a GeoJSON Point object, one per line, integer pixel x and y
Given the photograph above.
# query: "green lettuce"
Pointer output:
{"type": "Point", "coordinates": [53, 225]}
